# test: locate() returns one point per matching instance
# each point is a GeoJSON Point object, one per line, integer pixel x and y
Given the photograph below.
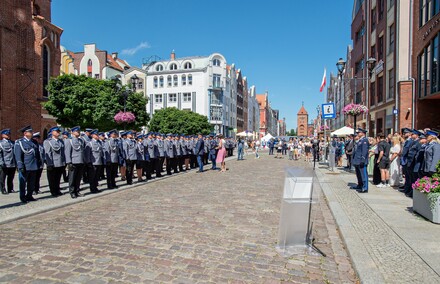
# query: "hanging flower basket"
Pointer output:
{"type": "Point", "coordinates": [124, 117]}
{"type": "Point", "coordinates": [324, 127]}
{"type": "Point", "coordinates": [354, 109]}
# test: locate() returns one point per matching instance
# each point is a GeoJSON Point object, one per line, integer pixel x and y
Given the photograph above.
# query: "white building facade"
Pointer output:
{"type": "Point", "coordinates": [195, 84]}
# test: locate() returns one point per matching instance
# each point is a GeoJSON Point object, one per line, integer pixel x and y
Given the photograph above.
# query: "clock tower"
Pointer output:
{"type": "Point", "coordinates": [302, 122]}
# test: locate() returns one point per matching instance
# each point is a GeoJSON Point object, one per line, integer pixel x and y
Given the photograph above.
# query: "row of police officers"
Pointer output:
{"type": "Point", "coordinates": [88, 155]}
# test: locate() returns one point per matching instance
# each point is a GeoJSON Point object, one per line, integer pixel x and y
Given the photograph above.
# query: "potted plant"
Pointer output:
{"type": "Point", "coordinates": [426, 196]}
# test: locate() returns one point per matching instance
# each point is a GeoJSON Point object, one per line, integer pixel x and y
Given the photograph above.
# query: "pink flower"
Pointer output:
{"type": "Point", "coordinates": [124, 117]}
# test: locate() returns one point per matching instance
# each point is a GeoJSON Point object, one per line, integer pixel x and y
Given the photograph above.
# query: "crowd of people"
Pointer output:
{"type": "Point", "coordinates": [92, 156]}
{"type": "Point", "coordinates": [396, 160]}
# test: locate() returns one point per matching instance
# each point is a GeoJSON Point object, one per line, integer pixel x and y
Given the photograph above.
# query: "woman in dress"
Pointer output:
{"type": "Point", "coordinates": [371, 151]}
{"type": "Point", "coordinates": [221, 154]}
{"type": "Point", "coordinates": [376, 171]}
{"type": "Point", "coordinates": [395, 162]}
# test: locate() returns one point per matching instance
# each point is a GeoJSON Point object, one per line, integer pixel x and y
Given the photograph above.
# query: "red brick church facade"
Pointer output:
{"type": "Point", "coordinates": [29, 56]}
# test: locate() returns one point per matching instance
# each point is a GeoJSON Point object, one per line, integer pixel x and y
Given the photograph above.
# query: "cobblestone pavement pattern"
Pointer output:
{"type": "Point", "coordinates": [193, 228]}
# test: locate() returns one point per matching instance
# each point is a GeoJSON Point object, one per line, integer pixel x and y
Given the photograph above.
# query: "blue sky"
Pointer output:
{"type": "Point", "coordinates": [282, 46]}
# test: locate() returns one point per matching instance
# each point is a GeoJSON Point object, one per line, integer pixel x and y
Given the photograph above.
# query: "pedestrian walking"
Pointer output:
{"type": "Point", "coordinates": [240, 147]}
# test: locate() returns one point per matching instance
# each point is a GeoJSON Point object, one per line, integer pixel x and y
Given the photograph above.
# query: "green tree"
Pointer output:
{"type": "Point", "coordinates": [88, 102]}
{"type": "Point", "coordinates": [292, 132]}
{"type": "Point", "coordinates": [172, 120]}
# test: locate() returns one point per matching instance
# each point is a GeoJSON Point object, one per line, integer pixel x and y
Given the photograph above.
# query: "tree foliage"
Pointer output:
{"type": "Point", "coordinates": [292, 132]}
{"type": "Point", "coordinates": [172, 120]}
{"type": "Point", "coordinates": [88, 102]}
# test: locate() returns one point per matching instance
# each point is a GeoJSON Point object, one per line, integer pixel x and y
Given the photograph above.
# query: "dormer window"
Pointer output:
{"type": "Point", "coordinates": [187, 65]}
{"type": "Point", "coordinates": [159, 68]}
{"type": "Point", "coordinates": [216, 62]}
{"type": "Point", "coordinates": [173, 66]}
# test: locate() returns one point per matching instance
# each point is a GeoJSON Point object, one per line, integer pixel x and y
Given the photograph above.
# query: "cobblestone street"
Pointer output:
{"type": "Point", "coordinates": [192, 228]}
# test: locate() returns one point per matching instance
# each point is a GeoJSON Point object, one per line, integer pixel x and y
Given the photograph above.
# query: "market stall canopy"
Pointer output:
{"type": "Point", "coordinates": [344, 131]}
{"type": "Point", "coordinates": [267, 137]}
{"type": "Point", "coordinates": [249, 134]}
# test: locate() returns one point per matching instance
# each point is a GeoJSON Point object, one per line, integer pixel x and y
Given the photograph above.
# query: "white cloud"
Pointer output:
{"type": "Point", "coordinates": [134, 50]}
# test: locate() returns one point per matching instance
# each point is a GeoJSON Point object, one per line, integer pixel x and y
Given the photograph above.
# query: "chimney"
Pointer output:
{"type": "Point", "coordinates": [115, 55]}
{"type": "Point", "coordinates": [173, 55]}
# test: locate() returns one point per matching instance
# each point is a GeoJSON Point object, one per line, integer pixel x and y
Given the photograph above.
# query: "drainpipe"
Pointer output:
{"type": "Point", "coordinates": [396, 68]}
{"type": "Point", "coordinates": [413, 116]}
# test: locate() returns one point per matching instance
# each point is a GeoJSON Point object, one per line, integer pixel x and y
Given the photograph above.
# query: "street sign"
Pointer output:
{"type": "Point", "coordinates": [328, 110]}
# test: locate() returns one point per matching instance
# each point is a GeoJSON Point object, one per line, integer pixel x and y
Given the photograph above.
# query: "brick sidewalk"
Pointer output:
{"type": "Point", "coordinates": [386, 241]}
{"type": "Point", "coordinates": [193, 228]}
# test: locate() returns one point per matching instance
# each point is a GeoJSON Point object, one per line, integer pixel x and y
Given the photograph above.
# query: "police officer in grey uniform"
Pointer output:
{"type": "Point", "coordinates": [140, 151]}
{"type": "Point", "coordinates": [161, 148]}
{"type": "Point", "coordinates": [86, 138]}
{"type": "Point", "coordinates": [183, 152]}
{"type": "Point", "coordinates": [150, 155]}
{"type": "Point", "coordinates": [130, 153]}
{"type": "Point", "coordinates": [36, 138]}
{"type": "Point", "coordinates": [122, 165]}
{"type": "Point", "coordinates": [178, 153]}
{"type": "Point", "coordinates": [432, 153]}
{"type": "Point", "coordinates": [111, 152]}
{"type": "Point", "coordinates": [194, 155]}
{"type": "Point", "coordinates": [7, 162]}
{"type": "Point", "coordinates": [27, 157]}
{"type": "Point", "coordinates": [55, 160]}
{"type": "Point", "coordinates": [157, 161]}
{"type": "Point", "coordinates": [74, 149]}
{"type": "Point", "coordinates": [169, 153]}
{"type": "Point", "coordinates": [94, 158]}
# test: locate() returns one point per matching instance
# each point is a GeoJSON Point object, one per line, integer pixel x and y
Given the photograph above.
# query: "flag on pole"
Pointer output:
{"type": "Point", "coordinates": [324, 80]}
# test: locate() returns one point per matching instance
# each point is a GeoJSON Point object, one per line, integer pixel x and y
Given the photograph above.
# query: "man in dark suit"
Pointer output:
{"type": "Point", "coordinates": [212, 151]}
{"type": "Point", "coordinates": [199, 150]}
{"type": "Point", "coordinates": [360, 161]}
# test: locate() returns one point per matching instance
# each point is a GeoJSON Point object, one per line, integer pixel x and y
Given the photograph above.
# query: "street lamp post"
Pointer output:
{"type": "Point", "coordinates": [134, 82]}
{"type": "Point", "coordinates": [371, 62]}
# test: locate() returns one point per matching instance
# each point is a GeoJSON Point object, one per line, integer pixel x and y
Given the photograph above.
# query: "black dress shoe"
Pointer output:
{"type": "Point", "coordinates": [38, 192]}
{"type": "Point", "coordinates": [159, 176]}
{"type": "Point", "coordinates": [5, 192]}
{"type": "Point", "coordinates": [73, 195]}
{"type": "Point", "coordinates": [28, 199]}
{"type": "Point", "coordinates": [23, 201]}
{"type": "Point", "coordinates": [79, 194]}
{"type": "Point", "coordinates": [11, 191]}
{"type": "Point", "coordinates": [362, 191]}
